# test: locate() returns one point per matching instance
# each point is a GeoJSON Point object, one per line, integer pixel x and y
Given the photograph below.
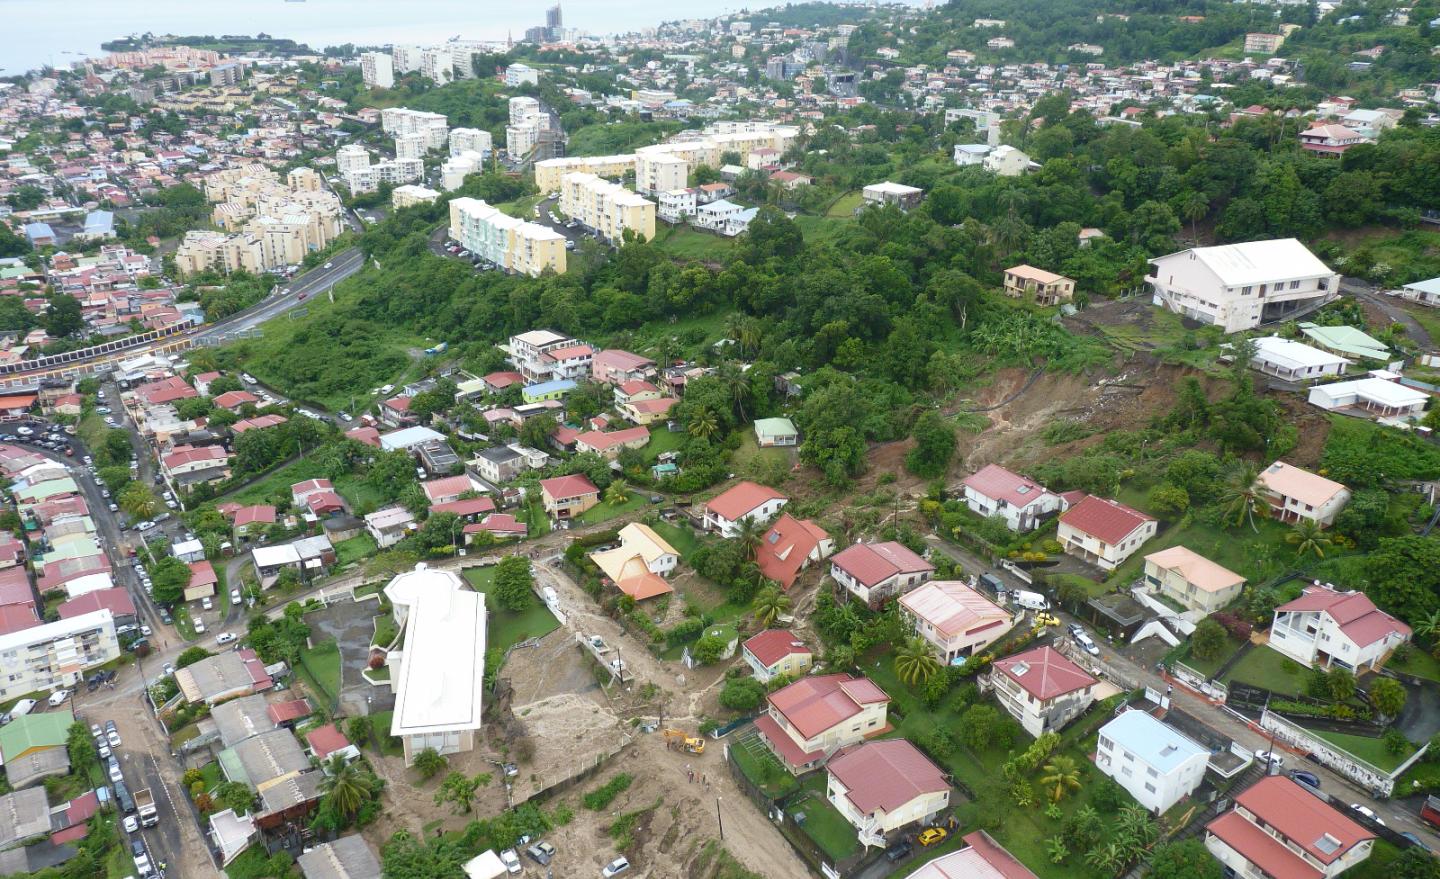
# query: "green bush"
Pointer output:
{"type": "Point", "coordinates": [602, 796]}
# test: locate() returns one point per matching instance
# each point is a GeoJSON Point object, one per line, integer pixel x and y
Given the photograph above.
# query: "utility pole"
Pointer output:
{"type": "Point", "coordinates": [719, 820]}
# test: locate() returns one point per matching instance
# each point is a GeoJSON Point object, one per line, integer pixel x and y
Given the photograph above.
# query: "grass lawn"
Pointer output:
{"type": "Point", "coordinates": [683, 241]}
{"type": "Point", "coordinates": [1371, 750]}
{"type": "Point", "coordinates": [389, 746]}
{"type": "Point", "coordinates": [319, 667]}
{"type": "Point", "coordinates": [762, 767]}
{"type": "Point", "coordinates": [507, 627]}
{"type": "Point", "coordinates": [1256, 555]}
{"type": "Point", "coordinates": [604, 511]}
{"type": "Point", "coordinates": [212, 775]}
{"type": "Point", "coordinates": [354, 549]}
{"type": "Point", "coordinates": [385, 630]}
{"type": "Point", "coordinates": [1378, 865]}
{"type": "Point", "coordinates": [359, 493]}
{"type": "Point", "coordinates": [843, 208]}
{"type": "Point", "coordinates": [681, 537]}
{"type": "Point", "coordinates": [275, 485]}
{"type": "Point", "coordinates": [183, 624]}
{"type": "Point", "coordinates": [1208, 667]}
{"type": "Point", "coordinates": [825, 228]}
{"type": "Point", "coordinates": [1418, 663]}
{"type": "Point", "coordinates": [823, 822]}
{"type": "Point", "coordinates": [1267, 668]}
{"type": "Point", "coordinates": [750, 451]}
{"type": "Point", "coordinates": [1090, 587]}
{"type": "Point", "coordinates": [661, 441]}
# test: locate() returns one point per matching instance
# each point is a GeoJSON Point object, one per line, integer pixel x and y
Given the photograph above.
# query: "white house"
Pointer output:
{"type": "Point", "coordinates": [1104, 532]}
{"type": "Point", "coordinates": [1041, 689]}
{"type": "Point", "coordinates": [1240, 286]}
{"type": "Point", "coordinates": [1154, 762]}
{"type": "Point", "coordinates": [717, 215]}
{"type": "Point", "coordinates": [389, 526]}
{"type": "Point", "coordinates": [1324, 628]}
{"type": "Point", "coordinates": [957, 620]}
{"type": "Point", "coordinates": [995, 491]}
{"type": "Point", "coordinates": [742, 501]}
{"type": "Point", "coordinates": [1295, 361]}
{"type": "Point", "coordinates": [438, 675]}
{"type": "Point", "coordinates": [971, 153]}
{"type": "Point", "coordinates": [873, 572]}
{"type": "Point", "coordinates": [880, 787]}
{"type": "Point", "coordinates": [1006, 161]}
{"type": "Point", "coordinates": [1384, 397]}
{"type": "Point", "coordinates": [1278, 828]}
{"type": "Point", "coordinates": [1423, 292]}
{"type": "Point", "coordinates": [676, 204]}
{"type": "Point", "coordinates": [1297, 494]}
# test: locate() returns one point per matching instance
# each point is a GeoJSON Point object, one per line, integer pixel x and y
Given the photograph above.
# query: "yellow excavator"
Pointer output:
{"type": "Point", "coordinates": [693, 744]}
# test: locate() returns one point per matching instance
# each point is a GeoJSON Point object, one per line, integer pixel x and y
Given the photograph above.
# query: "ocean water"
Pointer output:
{"type": "Point", "coordinates": [35, 33]}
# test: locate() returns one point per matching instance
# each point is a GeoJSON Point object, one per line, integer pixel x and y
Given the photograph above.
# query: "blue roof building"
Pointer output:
{"type": "Point", "coordinates": [1155, 762]}
{"type": "Point", "coordinates": [100, 224]}
{"type": "Point", "coordinates": [40, 234]}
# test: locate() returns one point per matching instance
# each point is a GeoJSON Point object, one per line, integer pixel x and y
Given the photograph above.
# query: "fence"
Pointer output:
{"type": "Point", "coordinates": [1368, 776]}
{"type": "Point", "coordinates": [1198, 682]}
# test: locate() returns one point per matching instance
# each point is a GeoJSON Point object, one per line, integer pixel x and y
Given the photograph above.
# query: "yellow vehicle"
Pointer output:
{"type": "Point", "coordinates": [693, 744]}
{"type": "Point", "coordinates": [1045, 619]}
{"type": "Point", "coordinates": [932, 835]}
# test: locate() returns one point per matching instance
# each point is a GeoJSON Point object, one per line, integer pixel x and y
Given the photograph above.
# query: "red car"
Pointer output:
{"type": "Point", "coordinates": [301, 297]}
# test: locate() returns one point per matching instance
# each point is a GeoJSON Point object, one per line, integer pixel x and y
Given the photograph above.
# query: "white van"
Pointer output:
{"type": "Point", "coordinates": [58, 698]}
{"type": "Point", "coordinates": [1029, 600]}
{"type": "Point", "coordinates": [22, 708]}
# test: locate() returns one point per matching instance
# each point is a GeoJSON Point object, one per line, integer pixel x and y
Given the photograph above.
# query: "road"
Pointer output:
{"type": "Point", "coordinates": [1388, 306]}
{"type": "Point", "coordinates": [302, 287]}
{"type": "Point", "coordinates": [1395, 814]}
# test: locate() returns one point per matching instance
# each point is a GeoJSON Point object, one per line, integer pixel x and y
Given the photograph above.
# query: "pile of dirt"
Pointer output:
{"type": "Point", "coordinates": [568, 734]}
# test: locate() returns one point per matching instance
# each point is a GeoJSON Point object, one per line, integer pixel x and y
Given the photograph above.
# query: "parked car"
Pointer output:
{"type": "Point", "coordinates": [206, 603]}
{"type": "Point", "coordinates": [932, 835]}
{"type": "Point", "coordinates": [1268, 757]}
{"type": "Point", "coordinates": [898, 852]}
{"type": "Point", "coordinates": [510, 860]}
{"type": "Point", "coordinates": [104, 750]}
{"type": "Point", "coordinates": [615, 867]}
{"type": "Point", "coordinates": [234, 596]}
{"type": "Point", "coordinates": [199, 627]}
{"type": "Point", "coordinates": [1368, 813]}
{"type": "Point", "coordinates": [113, 738]}
{"type": "Point", "coordinates": [541, 852]}
{"type": "Point", "coordinates": [168, 669]}
{"type": "Point", "coordinates": [1086, 643]}
{"type": "Point", "coordinates": [1309, 779]}
{"type": "Point", "coordinates": [224, 637]}
{"type": "Point", "coordinates": [115, 773]}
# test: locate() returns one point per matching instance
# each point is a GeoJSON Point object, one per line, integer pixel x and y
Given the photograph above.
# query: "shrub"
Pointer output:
{"type": "Point", "coordinates": [602, 796]}
{"type": "Point", "coordinates": [685, 631]}
{"type": "Point", "coordinates": [1236, 627]}
{"type": "Point", "coordinates": [742, 694]}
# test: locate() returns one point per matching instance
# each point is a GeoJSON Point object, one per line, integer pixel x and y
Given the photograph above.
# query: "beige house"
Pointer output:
{"type": "Point", "coordinates": [566, 497]}
{"type": "Point", "coordinates": [956, 619]}
{"type": "Point", "coordinates": [1192, 579]}
{"type": "Point", "coordinates": [880, 787]}
{"type": "Point", "coordinates": [639, 565]}
{"type": "Point", "coordinates": [776, 653]}
{"type": "Point", "coordinates": [1041, 689]}
{"type": "Point", "coordinates": [1103, 532]}
{"type": "Point", "coordinates": [809, 720]}
{"type": "Point", "coordinates": [1044, 288]}
{"type": "Point", "coordinates": [1296, 494]}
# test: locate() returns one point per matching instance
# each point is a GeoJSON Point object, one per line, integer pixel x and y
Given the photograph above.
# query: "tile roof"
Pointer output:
{"type": "Point", "coordinates": [785, 547]}
{"type": "Point", "coordinates": [1044, 673]}
{"type": "Point", "coordinates": [1302, 485]}
{"type": "Point", "coordinates": [773, 645]}
{"type": "Point", "coordinates": [1354, 612]}
{"type": "Point", "coordinates": [573, 485]}
{"type": "Point", "coordinates": [953, 608]}
{"type": "Point", "coordinates": [1197, 570]}
{"type": "Point", "coordinates": [1260, 848]}
{"type": "Point", "coordinates": [873, 563]}
{"type": "Point", "coordinates": [1300, 817]}
{"type": "Point", "coordinates": [604, 441]}
{"type": "Point", "coordinates": [997, 483]}
{"type": "Point", "coordinates": [982, 858]}
{"type": "Point", "coordinates": [739, 500]}
{"type": "Point", "coordinates": [886, 775]}
{"type": "Point", "coordinates": [815, 704]}
{"type": "Point", "coordinates": [117, 601]}
{"type": "Point", "coordinates": [1102, 518]}
{"type": "Point", "coordinates": [785, 746]}
{"type": "Point", "coordinates": [326, 740]}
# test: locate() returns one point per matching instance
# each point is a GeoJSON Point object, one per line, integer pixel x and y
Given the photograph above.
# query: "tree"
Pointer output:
{"type": "Point", "coordinates": [139, 501]}
{"type": "Point", "coordinates": [1340, 682]}
{"type": "Point", "coordinates": [63, 316]}
{"type": "Point", "coordinates": [1404, 576]}
{"type": "Point", "coordinates": [915, 661]}
{"type": "Point", "coordinates": [1061, 776]}
{"type": "Point", "coordinates": [977, 726]}
{"type": "Point", "coordinates": [742, 694]}
{"type": "Point", "coordinates": [459, 791]}
{"type": "Point", "coordinates": [81, 748]}
{"type": "Point", "coordinates": [617, 494]}
{"type": "Point", "coordinates": [1388, 696]}
{"type": "Point", "coordinates": [169, 577]}
{"type": "Point", "coordinates": [514, 583]}
{"type": "Point", "coordinates": [1308, 538]}
{"type": "Point", "coordinates": [234, 795]}
{"type": "Point", "coordinates": [345, 788]}
{"type": "Point", "coordinates": [1240, 495]}
{"type": "Point", "coordinates": [191, 655]}
{"type": "Point", "coordinates": [709, 648]}
{"type": "Point", "coordinates": [360, 729]}
{"type": "Point", "coordinates": [1193, 207]}
{"type": "Point", "coordinates": [748, 536]}
{"type": "Point", "coordinates": [769, 605]}
{"type": "Point", "coordinates": [1169, 500]}
{"type": "Point", "coordinates": [1183, 860]}
{"type": "Point", "coordinates": [703, 423]}
{"type": "Point", "coordinates": [430, 763]}
{"type": "Point", "coordinates": [934, 445]}
{"type": "Point", "coordinates": [1208, 640]}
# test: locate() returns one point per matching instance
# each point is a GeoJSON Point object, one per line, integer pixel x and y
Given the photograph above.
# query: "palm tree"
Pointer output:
{"type": "Point", "coordinates": [344, 787]}
{"type": "Point", "coordinates": [1240, 495]}
{"type": "Point", "coordinates": [738, 386]}
{"type": "Point", "coordinates": [749, 536]}
{"type": "Point", "coordinates": [915, 661]}
{"type": "Point", "coordinates": [1428, 626]}
{"type": "Point", "coordinates": [1135, 831]}
{"type": "Point", "coordinates": [1193, 206]}
{"type": "Point", "coordinates": [769, 605]}
{"type": "Point", "coordinates": [749, 338]}
{"type": "Point", "coordinates": [703, 424]}
{"type": "Point", "coordinates": [1061, 776]}
{"type": "Point", "coordinates": [1308, 537]}
{"type": "Point", "coordinates": [430, 763]}
{"type": "Point", "coordinates": [617, 493]}
{"type": "Point", "coordinates": [1108, 858]}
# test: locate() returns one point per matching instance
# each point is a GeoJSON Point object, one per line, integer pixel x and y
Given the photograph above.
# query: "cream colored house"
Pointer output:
{"type": "Point", "coordinates": [639, 565]}
{"type": "Point", "coordinates": [1192, 579]}
{"type": "Point", "coordinates": [1041, 287]}
{"type": "Point", "coordinates": [1296, 494]}
{"type": "Point", "coordinates": [880, 787]}
{"type": "Point", "coordinates": [809, 720]}
{"type": "Point", "coordinates": [956, 619]}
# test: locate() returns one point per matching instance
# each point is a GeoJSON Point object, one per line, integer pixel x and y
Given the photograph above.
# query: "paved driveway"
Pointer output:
{"type": "Point", "coordinates": [350, 624]}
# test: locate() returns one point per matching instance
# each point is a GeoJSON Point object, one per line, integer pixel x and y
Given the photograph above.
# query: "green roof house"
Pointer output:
{"type": "Point", "coordinates": [33, 747]}
{"type": "Point", "coordinates": [776, 432]}
{"type": "Point", "coordinates": [1346, 341]}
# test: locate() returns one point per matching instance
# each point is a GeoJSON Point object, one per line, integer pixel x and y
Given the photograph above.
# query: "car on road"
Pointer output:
{"type": "Point", "coordinates": [615, 867]}
{"type": "Point", "coordinates": [1084, 641]}
{"type": "Point", "coordinates": [1368, 813]}
{"type": "Point", "coordinates": [24, 431]}
{"type": "Point", "coordinates": [142, 860]}
{"type": "Point", "coordinates": [301, 297]}
{"type": "Point", "coordinates": [932, 835]}
{"type": "Point", "coordinates": [247, 378]}
{"type": "Point", "coordinates": [115, 773]}
{"type": "Point", "coordinates": [329, 265]}
{"type": "Point", "coordinates": [103, 410]}
{"type": "Point", "coordinates": [168, 669]}
{"type": "Point", "coordinates": [145, 630]}
{"type": "Point", "coordinates": [144, 526]}
{"type": "Point", "coordinates": [113, 737]}
{"type": "Point", "coordinates": [541, 852]}
{"type": "Point", "coordinates": [1308, 779]}
{"type": "Point", "coordinates": [132, 824]}
{"type": "Point", "coordinates": [172, 505]}
{"type": "Point", "coordinates": [510, 860]}
{"type": "Point", "coordinates": [898, 852]}
{"type": "Point", "coordinates": [109, 421]}
{"type": "Point", "coordinates": [199, 627]}
{"type": "Point", "coordinates": [114, 507]}
{"type": "Point", "coordinates": [344, 416]}
{"type": "Point", "coordinates": [224, 637]}
{"type": "Point", "coordinates": [1265, 758]}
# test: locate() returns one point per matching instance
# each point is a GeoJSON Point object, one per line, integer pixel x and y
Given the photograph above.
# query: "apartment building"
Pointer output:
{"type": "Point", "coordinates": [1279, 829]}
{"type": "Point", "coordinates": [659, 171]}
{"type": "Point", "coordinates": [463, 140]}
{"type": "Point", "coordinates": [508, 242]}
{"type": "Point", "coordinates": [405, 59]}
{"type": "Point", "coordinates": [518, 74]}
{"type": "Point", "coordinates": [544, 355]}
{"type": "Point", "coordinates": [377, 69]}
{"type": "Point", "coordinates": [549, 172]}
{"type": "Point", "coordinates": [677, 204]}
{"type": "Point", "coordinates": [1038, 286]}
{"type": "Point", "coordinates": [522, 108]}
{"type": "Point", "coordinates": [55, 655]}
{"type": "Point", "coordinates": [437, 65]}
{"type": "Point", "coordinates": [1263, 44]}
{"type": "Point", "coordinates": [410, 146]}
{"type": "Point", "coordinates": [1240, 286]}
{"type": "Point", "coordinates": [806, 722]}
{"type": "Point", "coordinates": [1157, 764]}
{"type": "Point", "coordinates": [1295, 493]}
{"type": "Point", "coordinates": [351, 157]}
{"type": "Point", "coordinates": [995, 491]}
{"type": "Point", "coordinates": [1041, 689]}
{"type": "Point", "coordinates": [393, 171]}
{"type": "Point", "coordinates": [402, 120]}
{"type": "Point", "coordinates": [202, 250]}
{"type": "Point", "coordinates": [455, 169]}
{"type": "Point", "coordinates": [607, 208]}
{"type": "Point", "coordinates": [270, 222]}
{"type": "Point", "coordinates": [410, 195]}
{"type": "Point", "coordinates": [1326, 628]}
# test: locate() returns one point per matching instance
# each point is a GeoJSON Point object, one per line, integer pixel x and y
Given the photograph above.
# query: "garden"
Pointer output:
{"type": "Point", "coordinates": [507, 627]}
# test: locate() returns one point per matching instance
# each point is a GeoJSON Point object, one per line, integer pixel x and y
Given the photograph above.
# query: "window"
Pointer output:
{"type": "Point", "coordinates": [1150, 787]}
{"type": "Point", "coordinates": [1245, 291]}
{"type": "Point", "coordinates": [1294, 285]}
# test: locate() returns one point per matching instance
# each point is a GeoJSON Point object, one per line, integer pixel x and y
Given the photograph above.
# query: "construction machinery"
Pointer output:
{"type": "Point", "coordinates": [693, 744]}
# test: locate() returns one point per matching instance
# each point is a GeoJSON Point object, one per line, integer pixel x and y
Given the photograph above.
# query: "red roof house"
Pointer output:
{"type": "Point", "coordinates": [1042, 689]}
{"type": "Point", "coordinates": [886, 785]}
{"type": "Point", "coordinates": [816, 716]}
{"type": "Point", "coordinates": [873, 572]}
{"type": "Point", "coordinates": [1104, 532]}
{"type": "Point", "coordinates": [789, 546]}
{"type": "Point", "coordinates": [1274, 821]}
{"type": "Point", "coordinates": [744, 500]}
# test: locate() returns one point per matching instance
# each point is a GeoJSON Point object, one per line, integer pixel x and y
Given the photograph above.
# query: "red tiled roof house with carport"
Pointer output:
{"type": "Point", "coordinates": [788, 546]}
{"type": "Point", "coordinates": [883, 786]}
{"type": "Point", "coordinates": [1103, 532]}
{"type": "Point", "coordinates": [774, 653]}
{"type": "Point", "coordinates": [809, 720]}
{"type": "Point", "coordinates": [873, 572]}
{"type": "Point", "coordinates": [1041, 689]}
{"type": "Point", "coordinates": [742, 501]}
{"type": "Point", "coordinates": [1280, 830]}
{"type": "Point", "coordinates": [566, 497]}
